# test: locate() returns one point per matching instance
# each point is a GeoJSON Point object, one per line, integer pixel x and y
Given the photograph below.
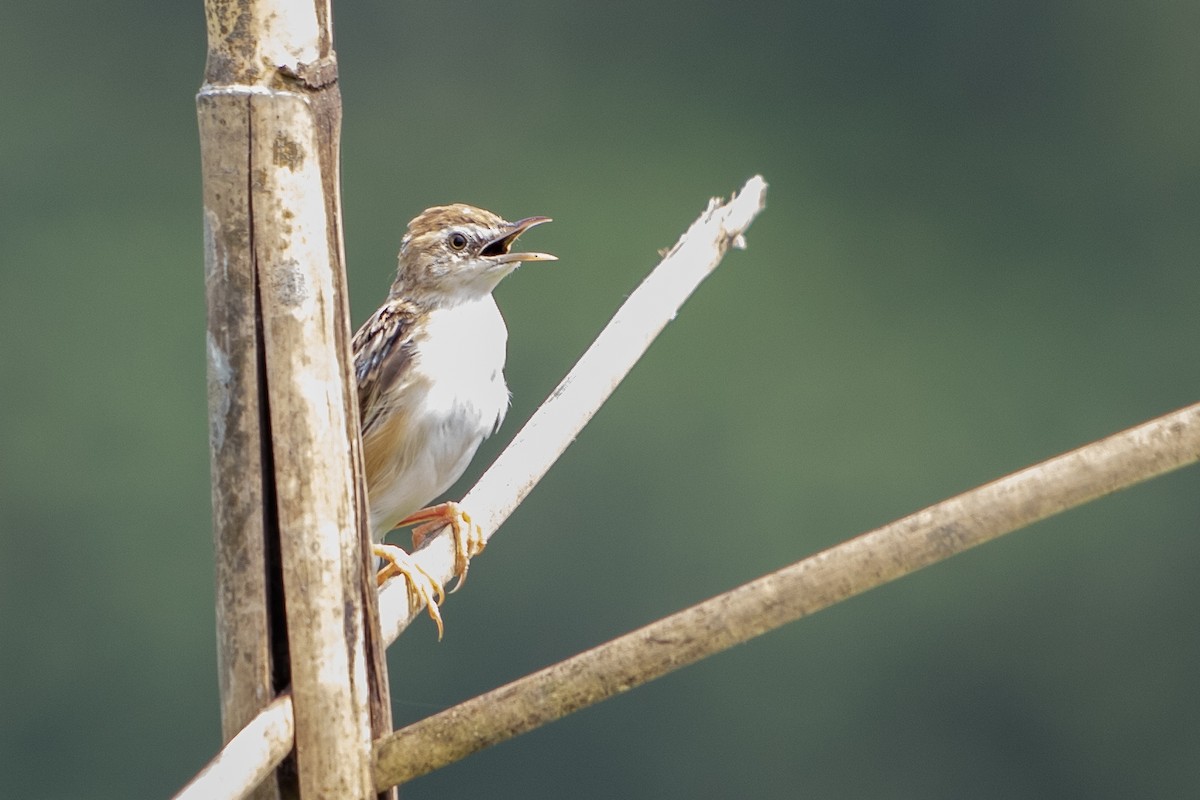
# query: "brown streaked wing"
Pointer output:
{"type": "Point", "coordinates": [383, 349]}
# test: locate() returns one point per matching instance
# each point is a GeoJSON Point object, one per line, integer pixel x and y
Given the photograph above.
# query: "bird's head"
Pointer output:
{"type": "Point", "coordinates": [459, 252]}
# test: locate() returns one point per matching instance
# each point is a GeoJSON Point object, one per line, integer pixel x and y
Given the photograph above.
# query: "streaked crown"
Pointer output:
{"type": "Point", "coordinates": [459, 251]}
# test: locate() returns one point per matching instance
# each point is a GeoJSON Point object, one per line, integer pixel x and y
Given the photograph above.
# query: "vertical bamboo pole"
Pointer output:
{"type": "Point", "coordinates": [295, 603]}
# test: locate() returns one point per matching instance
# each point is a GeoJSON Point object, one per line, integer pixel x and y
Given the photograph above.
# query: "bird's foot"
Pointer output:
{"type": "Point", "coordinates": [468, 536]}
{"type": "Point", "coordinates": [422, 587]}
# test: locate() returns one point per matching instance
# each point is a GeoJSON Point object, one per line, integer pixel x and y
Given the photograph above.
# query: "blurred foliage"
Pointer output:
{"type": "Point", "coordinates": [980, 249]}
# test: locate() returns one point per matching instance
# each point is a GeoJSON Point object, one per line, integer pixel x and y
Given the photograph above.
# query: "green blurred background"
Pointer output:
{"type": "Point", "coordinates": [980, 249]}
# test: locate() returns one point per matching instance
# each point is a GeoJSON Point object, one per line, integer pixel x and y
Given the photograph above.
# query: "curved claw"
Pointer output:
{"type": "Point", "coordinates": [423, 588]}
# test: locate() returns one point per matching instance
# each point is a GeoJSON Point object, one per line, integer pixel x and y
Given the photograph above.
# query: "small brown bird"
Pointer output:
{"type": "Point", "coordinates": [430, 370]}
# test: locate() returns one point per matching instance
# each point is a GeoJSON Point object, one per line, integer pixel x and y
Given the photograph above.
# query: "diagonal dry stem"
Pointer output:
{"type": "Point", "coordinates": [842, 571]}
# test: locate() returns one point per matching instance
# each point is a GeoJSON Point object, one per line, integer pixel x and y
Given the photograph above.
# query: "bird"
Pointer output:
{"type": "Point", "coordinates": [429, 368]}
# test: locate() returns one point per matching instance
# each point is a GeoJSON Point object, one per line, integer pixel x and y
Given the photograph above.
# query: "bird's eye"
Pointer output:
{"type": "Point", "coordinates": [458, 240]}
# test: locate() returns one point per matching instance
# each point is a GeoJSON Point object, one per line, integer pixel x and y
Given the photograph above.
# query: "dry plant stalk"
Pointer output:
{"type": "Point", "coordinates": [842, 571]}
{"type": "Point", "coordinates": [295, 602]}
{"type": "Point", "coordinates": [916, 541]}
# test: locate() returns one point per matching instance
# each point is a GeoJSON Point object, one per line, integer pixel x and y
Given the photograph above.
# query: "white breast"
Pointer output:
{"type": "Point", "coordinates": [458, 399]}
{"type": "Point", "coordinates": [462, 356]}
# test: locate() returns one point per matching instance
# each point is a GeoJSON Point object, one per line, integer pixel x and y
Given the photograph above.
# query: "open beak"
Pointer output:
{"type": "Point", "coordinates": [499, 248]}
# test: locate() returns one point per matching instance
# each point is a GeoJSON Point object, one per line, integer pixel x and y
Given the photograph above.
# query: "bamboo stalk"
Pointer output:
{"type": "Point", "coordinates": [320, 551]}
{"type": "Point", "coordinates": [295, 600]}
{"type": "Point", "coordinates": [244, 657]}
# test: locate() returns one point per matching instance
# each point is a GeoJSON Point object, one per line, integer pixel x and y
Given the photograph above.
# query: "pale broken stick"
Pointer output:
{"type": "Point", "coordinates": [605, 364]}
{"type": "Point", "coordinates": [247, 759]}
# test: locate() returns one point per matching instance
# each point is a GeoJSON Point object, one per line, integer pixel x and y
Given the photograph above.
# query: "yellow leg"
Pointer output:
{"type": "Point", "coordinates": [468, 537]}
